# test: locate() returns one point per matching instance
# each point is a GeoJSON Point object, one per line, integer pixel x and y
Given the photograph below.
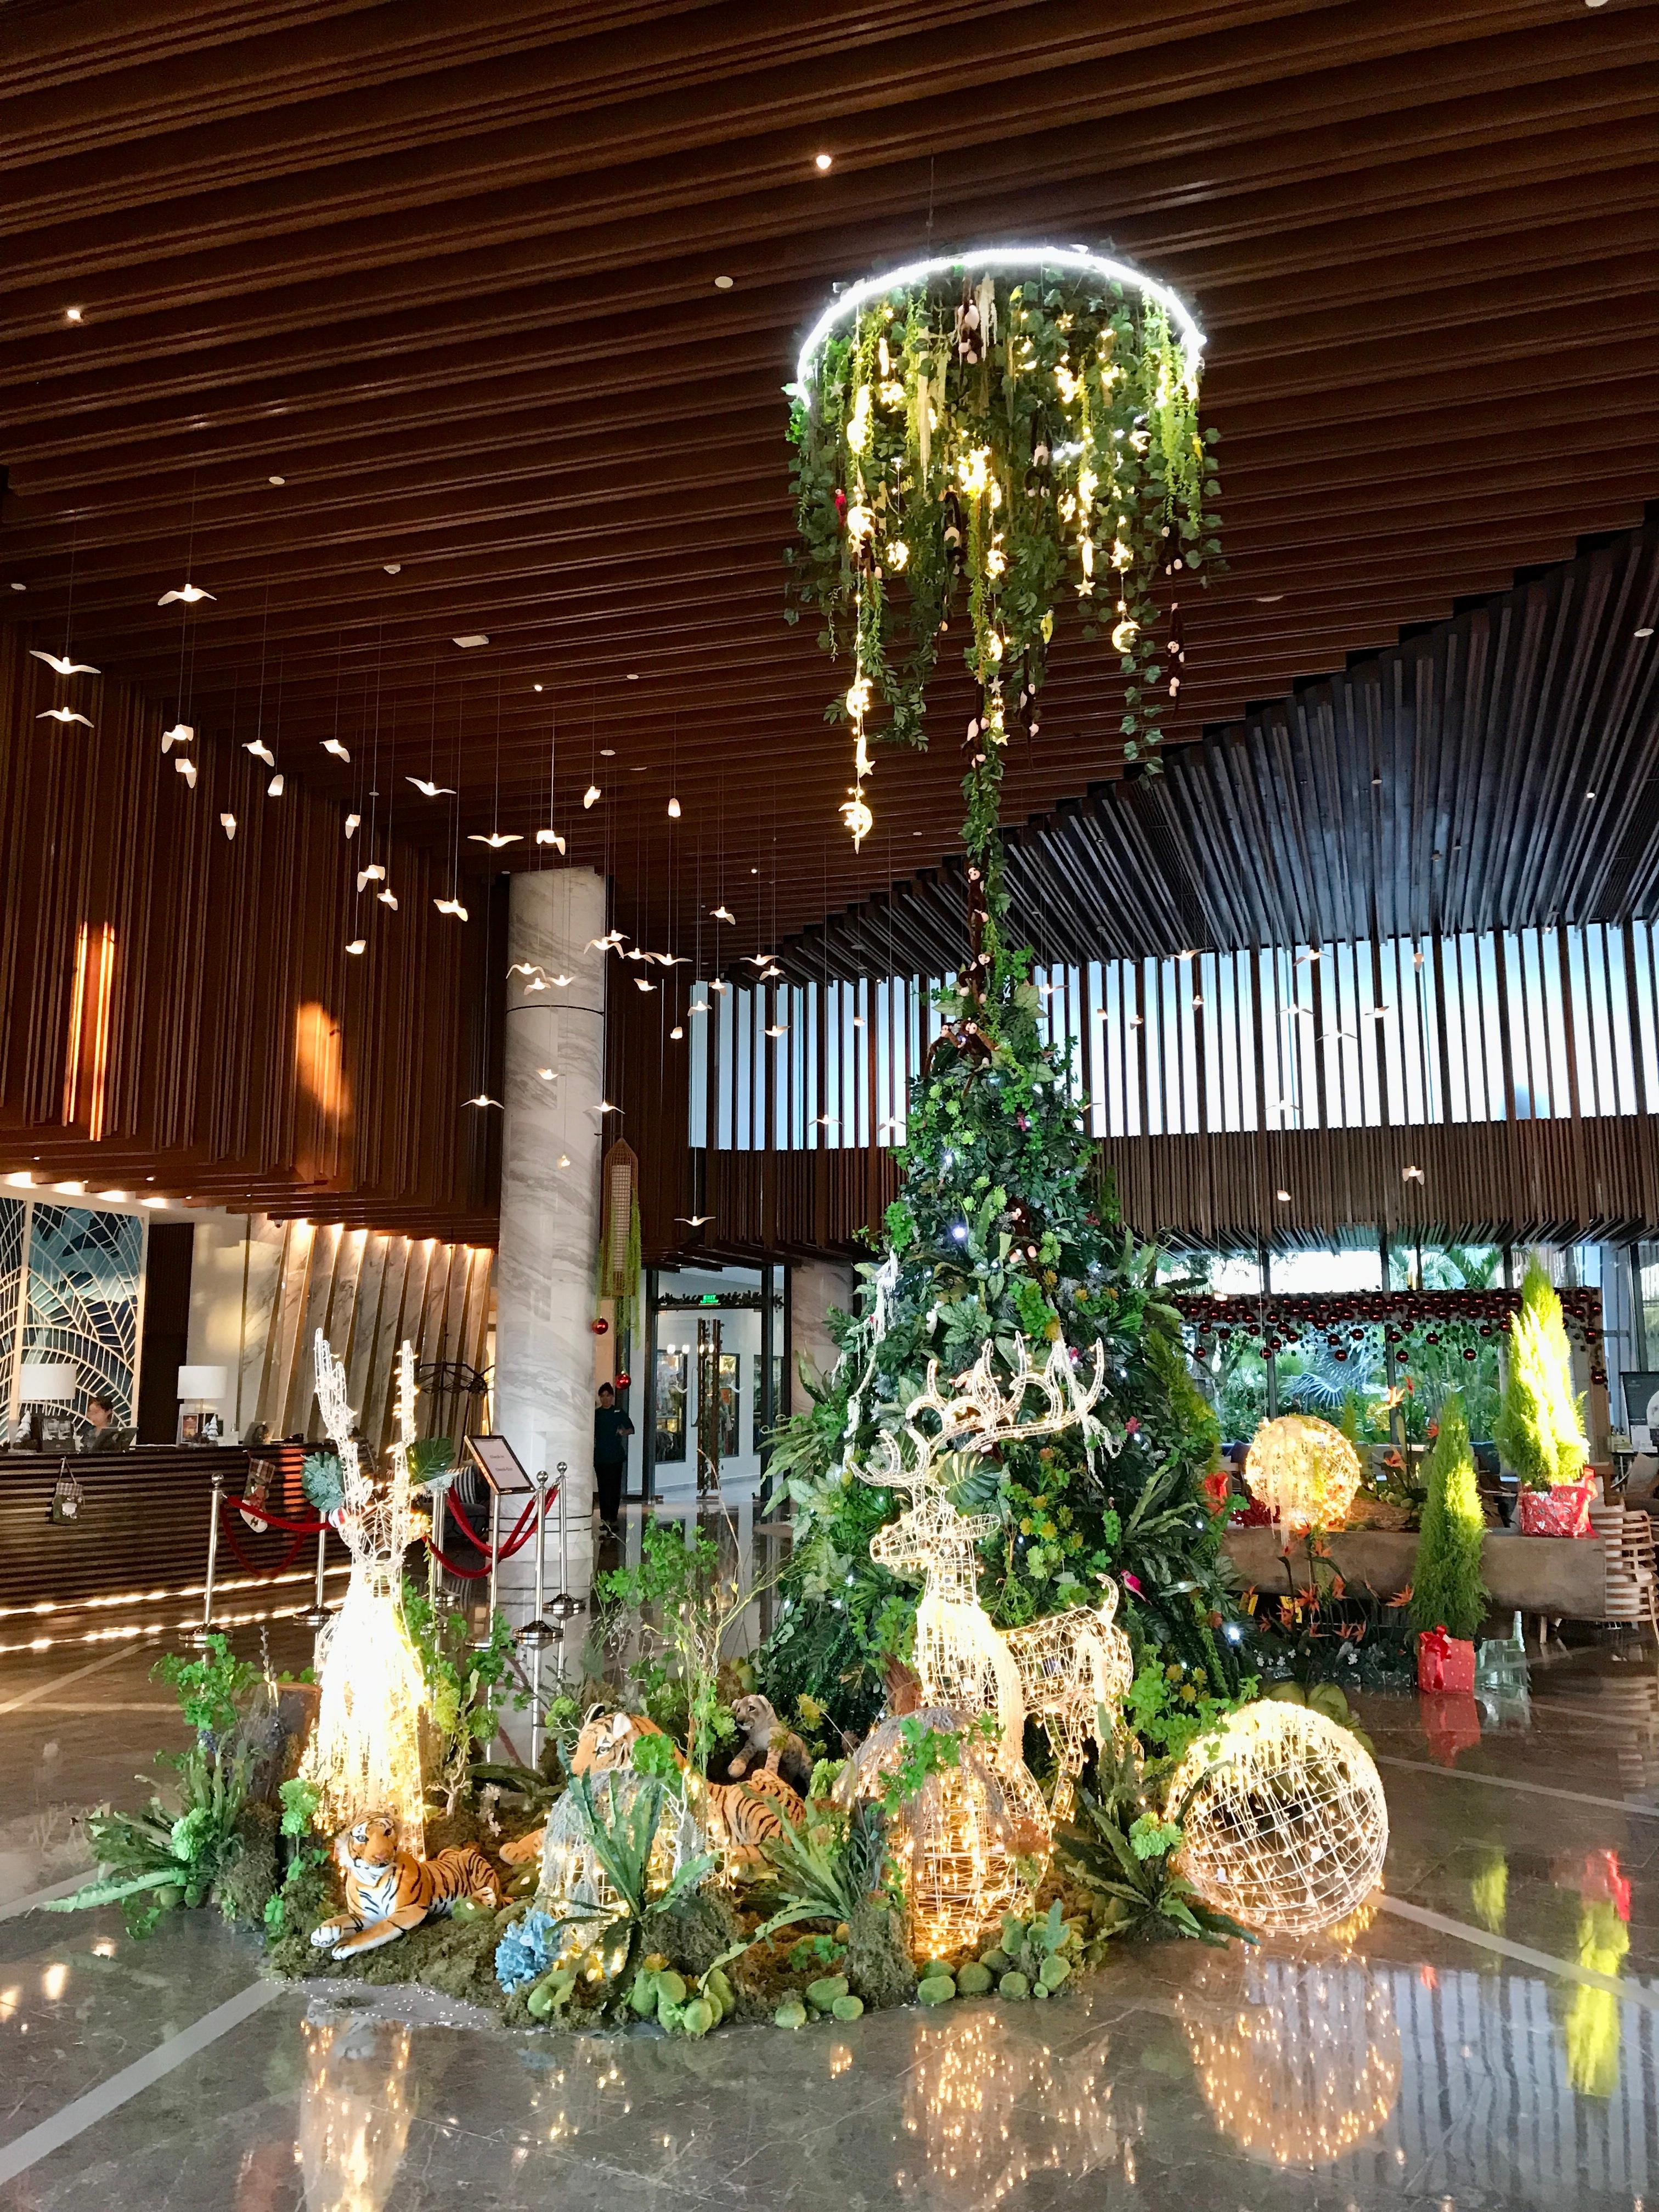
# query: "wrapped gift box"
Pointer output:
{"type": "Point", "coordinates": [1563, 1512]}
{"type": "Point", "coordinates": [1445, 1664]}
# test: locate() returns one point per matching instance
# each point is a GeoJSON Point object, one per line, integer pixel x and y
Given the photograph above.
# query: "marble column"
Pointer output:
{"type": "Point", "coordinates": [552, 1136]}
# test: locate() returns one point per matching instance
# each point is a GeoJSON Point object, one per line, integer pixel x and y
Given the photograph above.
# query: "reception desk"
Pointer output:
{"type": "Point", "coordinates": [140, 1528]}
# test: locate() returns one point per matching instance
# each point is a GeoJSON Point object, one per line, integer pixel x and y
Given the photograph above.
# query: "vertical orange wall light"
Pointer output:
{"type": "Point", "coordinates": [86, 1058]}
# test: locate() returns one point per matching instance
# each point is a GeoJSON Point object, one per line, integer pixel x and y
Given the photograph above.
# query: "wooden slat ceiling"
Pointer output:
{"type": "Point", "coordinates": [1499, 769]}
{"type": "Point", "coordinates": [448, 267]}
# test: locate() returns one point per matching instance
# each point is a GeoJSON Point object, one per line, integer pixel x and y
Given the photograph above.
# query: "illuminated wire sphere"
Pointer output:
{"type": "Point", "coordinates": [1286, 1825]}
{"type": "Point", "coordinates": [1303, 1471]}
{"type": "Point", "coordinates": [959, 1840]}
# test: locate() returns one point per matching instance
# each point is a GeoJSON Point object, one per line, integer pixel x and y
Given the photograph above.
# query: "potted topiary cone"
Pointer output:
{"type": "Point", "coordinates": [1540, 1429]}
{"type": "Point", "coordinates": [1448, 1598]}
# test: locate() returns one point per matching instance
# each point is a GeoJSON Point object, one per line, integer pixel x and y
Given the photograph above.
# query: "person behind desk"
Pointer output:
{"type": "Point", "coordinates": [612, 1429]}
{"type": "Point", "coordinates": [102, 1433]}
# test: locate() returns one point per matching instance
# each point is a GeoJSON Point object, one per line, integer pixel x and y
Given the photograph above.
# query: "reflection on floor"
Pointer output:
{"type": "Point", "coordinates": [1481, 2034]}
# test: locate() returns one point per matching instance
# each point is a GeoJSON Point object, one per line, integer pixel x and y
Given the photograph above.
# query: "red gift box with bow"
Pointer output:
{"type": "Point", "coordinates": [1445, 1664]}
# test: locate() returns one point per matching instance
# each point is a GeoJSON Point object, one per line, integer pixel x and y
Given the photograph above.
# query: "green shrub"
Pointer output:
{"type": "Point", "coordinates": [1447, 1591]}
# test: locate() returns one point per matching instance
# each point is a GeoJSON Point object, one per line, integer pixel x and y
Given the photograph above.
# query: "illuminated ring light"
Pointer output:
{"type": "Point", "coordinates": [1285, 1824]}
{"type": "Point", "coordinates": [1032, 258]}
{"type": "Point", "coordinates": [1303, 1471]}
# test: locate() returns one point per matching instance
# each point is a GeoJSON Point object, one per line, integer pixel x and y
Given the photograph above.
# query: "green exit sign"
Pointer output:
{"type": "Point", "coordinates": [709, 1298]}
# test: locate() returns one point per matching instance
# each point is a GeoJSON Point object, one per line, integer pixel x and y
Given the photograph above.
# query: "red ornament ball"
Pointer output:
{"type": "Point", "coordinates": [601, 1326]}
{"type": "Point", "coordinates": [623, 1380]}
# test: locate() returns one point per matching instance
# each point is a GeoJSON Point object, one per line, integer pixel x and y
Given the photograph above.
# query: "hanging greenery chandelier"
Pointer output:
{"type": "Point", "coordinates": [1007, 431]}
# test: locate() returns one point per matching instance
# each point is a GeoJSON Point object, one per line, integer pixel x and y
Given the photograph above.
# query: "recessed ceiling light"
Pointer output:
{"type": "Point", "coordinates": [1268, 599]}
{"type": "Point", "coordinates": [722, 284]}
{"type": "Point", "coordinates": [535, 687]}
{"type": "Point", "coordinates": [1283, 1196]}
{"type": "Point", "coordinates": [396, 569]}
{"type": "Point", "coordinates": [754, 872]}
{"type": "Point", "coordinates": [472, 637]}
{"type": "Point", "coordinates": [1646, 630]}
{"type": "Point", "coordinates": [632, 677]}
{"type": "Point", "coordinates": [822, 161]}
{"type": "Point", "coordinates": [71, 314]}
{"type": "Point", "coordinates": [20, 587]}
{"type": "Point", "coordinates": [1590, 795]}
{"type": "Point", "coordinates": [607, 752]}
{"type": "Point", "coordinates": [277, 480]}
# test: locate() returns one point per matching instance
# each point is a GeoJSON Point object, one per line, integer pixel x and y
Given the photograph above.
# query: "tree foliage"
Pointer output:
{"type": "Point", "coordinates": [1447, 1591]}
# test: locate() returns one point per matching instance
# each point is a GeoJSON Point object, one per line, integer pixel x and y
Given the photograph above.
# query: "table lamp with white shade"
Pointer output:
{"type": "Point", "coordinates": [46, 1387]}
{"type": "Point", "coordinates": [200, 1389]}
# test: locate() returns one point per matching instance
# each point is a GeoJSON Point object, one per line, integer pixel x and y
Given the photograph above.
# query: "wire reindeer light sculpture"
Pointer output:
{"type": "Point", "coordinates": [1060, 1670]}
{"type": "Point", "coordinates": [365, 1752]}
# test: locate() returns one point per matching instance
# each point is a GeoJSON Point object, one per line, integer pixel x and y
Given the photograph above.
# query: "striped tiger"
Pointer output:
{"type": "Point", "coordinates": [389, 1891]}
{"type": "Point", "coordinates": [742, 1817]}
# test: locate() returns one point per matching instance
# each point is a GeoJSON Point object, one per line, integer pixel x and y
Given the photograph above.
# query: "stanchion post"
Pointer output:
{"type": "Point", "coordinates": [563, 1605]}
{"type": "Point", "coordinates": [434, 1541]}
{"type": "Point", "coordinates": [317, 1619]}
{"type": "Point", "coordinates": [536, 1631]}
{"type": "Point", "coordinates": [482, 1642]}
{"type": "Point", "coordinates": [200, 1637]}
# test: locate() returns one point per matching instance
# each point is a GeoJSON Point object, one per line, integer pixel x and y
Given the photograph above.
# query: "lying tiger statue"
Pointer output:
{"type": "Point", "coordinates": [742, 1817]}
{"type": "Point", "coordinates": [389, 1891]}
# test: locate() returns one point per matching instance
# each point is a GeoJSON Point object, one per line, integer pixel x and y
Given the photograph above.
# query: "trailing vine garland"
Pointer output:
{"type": "Point", "coordinates": [1015, 429]}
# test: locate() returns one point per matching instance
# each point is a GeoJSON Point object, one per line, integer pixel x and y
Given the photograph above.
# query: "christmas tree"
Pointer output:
{"type": "Point", "coordinates": [1447, 1591]}
{"type": "Point", "coordinates": [1002, 1230]}
{"type": "Point", "coordinates": [1540, 1430]}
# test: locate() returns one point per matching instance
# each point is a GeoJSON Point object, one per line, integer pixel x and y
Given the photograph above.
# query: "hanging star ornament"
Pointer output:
{"type": "Point", "coordinates": [388, 897]}
{"type": "Point", "coordinates": [550, 837]}
{"type": "Point", "coordinates": [452, 906]}
{"type": "Point", "coordinates": [358, 944]}
{"type": "Point", "coordinates": [261, 752]}
{"type": "Point", "coordinates": [274, 788]}
{"type": "Point", "coordinates": [591, 795]}
{"type": "Point", "coordinates": [61, 665]}
{"type": "Point", "coordinates": [373, 873]}
{"type": "Point", "coordinates": [353, 823]}
{"type": "Point", "coordinates": [724, 913]}
{"type": "Point", "coordinates": [62, 714]}
{"type": "Point", "coordinates": [431, 790]}
{"type": "Point", "coordinates": [482, 1099]}
{"type": "Point", "coordinates": [333, 745]}
{"type": "Point", "coordinates": [181, 733]}
{"type": "Point", "coordinates": [187, 594]}
{"type": "Point", "coordinates": [694, 1220]}
{"type": "Point", "coordinates": [496, 839]}
{"type": "Point", "coordinates": [187, 767]}
{"type": "Point", "coordinates": [228, 823]}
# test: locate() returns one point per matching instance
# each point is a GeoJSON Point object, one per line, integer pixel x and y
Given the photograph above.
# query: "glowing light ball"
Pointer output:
{"type": "Point", "coordinates": [1303, 1471]}
{"type": "Point", "coordinates": [960, 1839]}
{"type": "Point", "coordinates": [1286, 1825]}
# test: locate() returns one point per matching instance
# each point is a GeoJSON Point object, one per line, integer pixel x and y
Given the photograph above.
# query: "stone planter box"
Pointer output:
{"type": "Point", "coordinates": [1563, 1576]}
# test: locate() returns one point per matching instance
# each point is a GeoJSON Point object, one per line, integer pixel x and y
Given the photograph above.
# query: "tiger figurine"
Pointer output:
{"type": "Point", "coordinates": [741, 1817]}
{"type": "Point", "coordinates": [389, 1891]}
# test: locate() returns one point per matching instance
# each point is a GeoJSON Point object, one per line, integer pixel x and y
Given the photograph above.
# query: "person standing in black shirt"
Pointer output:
{"type": "Point", "coordinates": [612, 1429]}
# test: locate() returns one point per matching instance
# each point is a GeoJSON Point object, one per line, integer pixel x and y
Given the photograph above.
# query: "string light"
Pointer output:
{"type": "Point", "coordinates": [1287, 1826]}
{"type": "Point", "coordinates": [365, 1752]}
{"type": "Point", "coordinates": [1304, 1470]}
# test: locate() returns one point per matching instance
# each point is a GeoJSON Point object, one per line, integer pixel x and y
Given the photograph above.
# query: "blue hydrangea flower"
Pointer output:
{"type": "Point", "coordinates": [525, 1951]}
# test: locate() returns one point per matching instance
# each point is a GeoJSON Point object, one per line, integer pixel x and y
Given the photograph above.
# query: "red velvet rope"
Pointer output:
{"type": "Point", "coordinates": [275, 1520]}
{"type": "Point", "coordinates": [513, 1543]}
{"type": "Point", "coordinates": [228, 1521]}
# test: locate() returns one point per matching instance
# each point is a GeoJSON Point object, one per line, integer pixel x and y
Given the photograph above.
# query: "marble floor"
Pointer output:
{"type": "Point", "coordinates": [1483, 2035]}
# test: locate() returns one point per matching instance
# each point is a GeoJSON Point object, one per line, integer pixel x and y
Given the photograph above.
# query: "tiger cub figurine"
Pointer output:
{"type": "Point", "coordinates": [389, 1891]}
{"type": "Point", "coordinates": [742, 1817]}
